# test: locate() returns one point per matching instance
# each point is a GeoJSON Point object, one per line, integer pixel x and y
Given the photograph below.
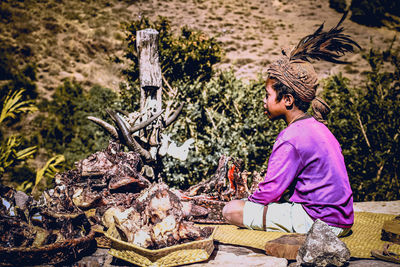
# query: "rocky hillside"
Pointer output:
{"type": "Point", "coordinates": [85, 40]}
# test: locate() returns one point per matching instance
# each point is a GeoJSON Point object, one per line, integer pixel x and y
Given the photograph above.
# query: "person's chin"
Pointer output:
{"type": "Point", "coordinates": [272, 118]}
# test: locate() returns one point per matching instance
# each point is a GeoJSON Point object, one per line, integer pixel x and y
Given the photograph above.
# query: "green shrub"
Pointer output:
{"type": "Point", "coordinates": [366, 121]}
{"type": "Point", "coordinates": [63, 127]}
{"type": "Point", "coordinates": [224, 116]}
{"type": "Point", "coordinates": [372, 12]}
{"type": "Point", "coordinates": [189, 55]}
{"type": "Point", "coordinates": [24, 79]}
{"type": "Point", "coordinates": [368, 12]}
{"type": "Point", "coordinates": [5, 13]}
{"type": "Point", "coordinates": [17, 95]}
{"type": "Point", "coordinates": [16, 77]}
{"type": "Point", "coordinates": [338, 5]}
{"type": "Point", "coordinates": [7, 61]}
{"type": "Point", "coordinates": [62, 130]}
{"type": "Point", "coordinates": [12, 149]}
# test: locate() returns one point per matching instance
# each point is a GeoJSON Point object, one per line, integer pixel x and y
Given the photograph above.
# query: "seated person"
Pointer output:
{"type": "Point", "coordinates": [306, 156]}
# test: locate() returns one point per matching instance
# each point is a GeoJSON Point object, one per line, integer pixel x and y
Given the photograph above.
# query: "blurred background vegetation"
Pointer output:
{"type": "Point", "coordinates": [40, 135]}
{"type": "Point", "coordinates": [371, 12]}
{"type": "Point", "coordinates": [366, 121]}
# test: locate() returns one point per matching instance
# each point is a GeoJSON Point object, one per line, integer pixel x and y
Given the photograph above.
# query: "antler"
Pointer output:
{"type": "Point", "coordinates": [144, 124]}
{"type": "Point", "coordinates": [172, 93]}
{"type": "Point", "coordinates": [127, 138]}
{"type": "Point", "coordinates": [174, 116]}
{"type": "Point", "coordinates": [108, 127]}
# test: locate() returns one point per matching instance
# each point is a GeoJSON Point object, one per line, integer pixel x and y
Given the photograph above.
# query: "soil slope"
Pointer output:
{"type": "Point", "coordinates": [83, 40]}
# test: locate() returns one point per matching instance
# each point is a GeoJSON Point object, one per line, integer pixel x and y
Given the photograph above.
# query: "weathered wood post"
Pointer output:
{"type": "Point", "coordinates": [140, 131]}
{"type": "Point", "coordinates": [149, 67]}
{"type": "Point", "coordinates": [150, 87]}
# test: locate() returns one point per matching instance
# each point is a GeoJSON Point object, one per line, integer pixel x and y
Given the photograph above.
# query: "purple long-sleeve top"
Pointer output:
{"type": "Point", "coordinates": [309, 155]}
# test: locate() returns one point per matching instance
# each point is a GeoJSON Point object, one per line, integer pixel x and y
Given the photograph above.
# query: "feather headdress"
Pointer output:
{"type": "Point", "coordinates": [322, 45]}
{"type": "Point", "coordinates": [295, 70]}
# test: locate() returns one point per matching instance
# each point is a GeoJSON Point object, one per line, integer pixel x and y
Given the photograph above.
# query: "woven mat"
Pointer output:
{"type": "Point", "coordinates": [364, 238]}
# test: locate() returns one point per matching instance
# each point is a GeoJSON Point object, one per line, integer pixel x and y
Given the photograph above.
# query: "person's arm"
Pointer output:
{"type": "Point", "coordinates": [283, 166]}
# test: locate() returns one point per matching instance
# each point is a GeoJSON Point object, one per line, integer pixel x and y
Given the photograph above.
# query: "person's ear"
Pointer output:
{"type": "Point", "coordinates": [289, 101]}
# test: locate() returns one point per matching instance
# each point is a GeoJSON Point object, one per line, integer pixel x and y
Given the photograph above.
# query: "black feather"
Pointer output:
{"type": "Point", "coordinates": [328, 46]}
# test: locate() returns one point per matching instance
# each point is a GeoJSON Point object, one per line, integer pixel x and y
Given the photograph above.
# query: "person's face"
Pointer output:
{"type": "Point", "coordinates": [272, 108]}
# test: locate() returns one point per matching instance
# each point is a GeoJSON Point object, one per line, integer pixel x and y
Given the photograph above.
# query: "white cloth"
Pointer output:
{"type": "Point", "coordinates": [281, 217]}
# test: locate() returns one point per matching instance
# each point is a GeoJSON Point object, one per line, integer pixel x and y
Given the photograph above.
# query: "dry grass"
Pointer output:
{"type": "Point", "coordinates": [243, 61]}
{"type": "Point", "coordinates": [82, 39]}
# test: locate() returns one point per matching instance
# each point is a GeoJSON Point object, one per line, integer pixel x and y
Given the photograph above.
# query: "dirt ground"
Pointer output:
{"type": "Point", "coordinates": [83, 43]}
{"type": "Point", "coordinates": [253, 32]}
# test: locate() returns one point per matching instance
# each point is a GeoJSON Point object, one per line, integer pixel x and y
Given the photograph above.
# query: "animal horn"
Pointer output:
{"type": "Point", "coordinates": [123, 112]}
{"type": "Point", "coordinates": [174, 116]}
{"type": "Point", "coordinates": [144, 124]}
{"type": "Point", "coordinates": [129, 141]}
{"type": "Point", "coordinates": [108, 127]}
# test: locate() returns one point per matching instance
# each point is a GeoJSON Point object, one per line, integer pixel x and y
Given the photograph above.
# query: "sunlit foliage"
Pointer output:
{"type": "Point", "coordinates": [366, 121]}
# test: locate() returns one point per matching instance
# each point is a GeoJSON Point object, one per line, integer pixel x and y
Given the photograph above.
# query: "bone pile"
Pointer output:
{"type": "Point", "coordinates": [106, 178]}
{"type": "Point", "coordinates": [155, 220]}
{"type": "Point", "coordinates": [229, 182]}
{"type": "Point", "coordinates": [114, 183]}
{"type": "Point", "coordinates": [115, 186]}
{"type": "Point", "coordinates": [26, 223]}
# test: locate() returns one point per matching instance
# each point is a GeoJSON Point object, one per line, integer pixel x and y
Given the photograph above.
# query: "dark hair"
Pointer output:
{"type": "Point", "coordinates": [282, 90]}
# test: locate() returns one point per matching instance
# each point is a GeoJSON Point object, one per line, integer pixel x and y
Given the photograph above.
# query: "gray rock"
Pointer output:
{"type": "Point", "coordinates": [322, 248]}
{"type": "Point", "coordinates": [21, 199]}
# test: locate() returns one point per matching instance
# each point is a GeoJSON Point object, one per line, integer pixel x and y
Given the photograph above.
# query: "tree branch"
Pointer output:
{"type": "Point", "coordinates": [363, 130]}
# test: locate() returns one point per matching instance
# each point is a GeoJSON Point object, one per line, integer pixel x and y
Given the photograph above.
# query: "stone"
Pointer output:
{"type": "Point", "coordinates": [21, 199]}
{"type": "Point", "coordinates": [322, 248]}
{"type": "Point", "coordinates": [391, 230]}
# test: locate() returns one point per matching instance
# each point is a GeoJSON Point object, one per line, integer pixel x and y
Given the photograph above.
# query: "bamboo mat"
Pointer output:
{"type": "Point", "coordinates": [366, 235]}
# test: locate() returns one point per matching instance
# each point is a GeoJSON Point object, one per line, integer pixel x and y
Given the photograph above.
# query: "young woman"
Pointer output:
{"type": "Point", "coordinates": [306, 157]}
